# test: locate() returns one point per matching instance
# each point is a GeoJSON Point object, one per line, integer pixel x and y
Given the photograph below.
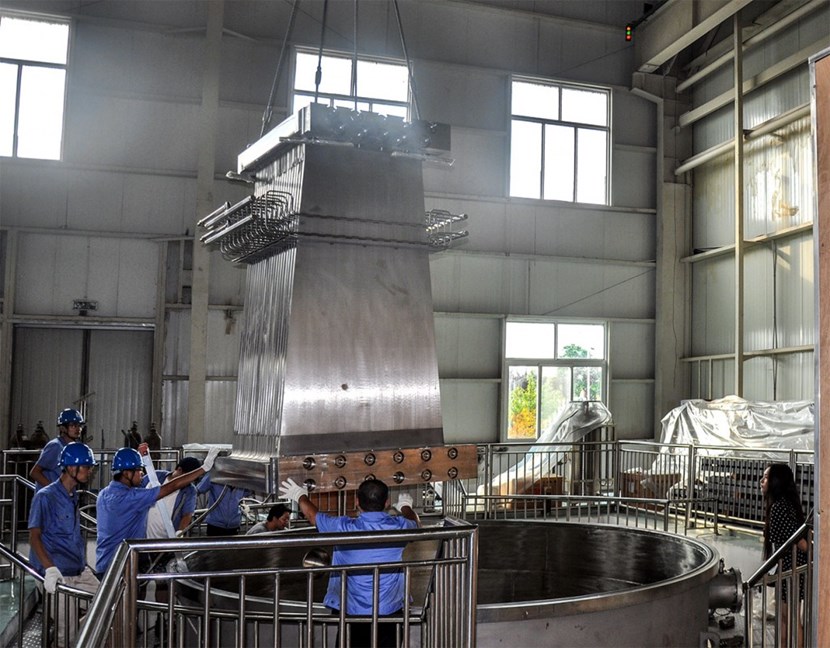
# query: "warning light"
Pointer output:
{"type": "Point", "coordinates": [628, 31]}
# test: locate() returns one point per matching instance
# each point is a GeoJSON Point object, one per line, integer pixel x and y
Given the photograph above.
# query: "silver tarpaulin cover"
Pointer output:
{"type": "Point", "coordinates": [738, 423]}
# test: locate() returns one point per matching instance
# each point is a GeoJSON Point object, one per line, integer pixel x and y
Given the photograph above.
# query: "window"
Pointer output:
{"type": "Point", "coordinates": [376, 86]}
{"type": "Point", "coordinates": [548, 365]}
{"type": "Point", "coordinates": [32, 80]}
{"type": "Point", "coordinates": [559, 142]}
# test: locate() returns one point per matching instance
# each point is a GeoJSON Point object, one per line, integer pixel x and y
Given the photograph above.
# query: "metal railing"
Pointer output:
{"type": "Point", "coordinates": [439, 609]}
{"type": "Point", "coordinates": [789, 615]}
{"type": "Point", "coordinates": [20, 462]}
{"type": "Point", "coordinates": [640, 469]}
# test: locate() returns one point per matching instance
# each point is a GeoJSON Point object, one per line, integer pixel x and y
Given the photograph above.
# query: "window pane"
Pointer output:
{"type": "Point", "coordinates": [525, 159]}
{"type": "Point", "coordinates": [387, 109]}
{"type": "Point", "coordinates": [585, 106]}
{"type": "Point", "coordinates": [8, 93]}
{"type": "Point", "coordinates": [587, 383]}
{"type": "Point", "coordinates": [529, 340]}
{"type": "Point", "coordinates": [522, 403]}
{"type": "Point", "coordinates": [33, 40]}
{"type": "Point", "coordinates": [41, 113]}
{"type": "Point", "coordinates": [381, 80]}
{"type": "Point", "coordinates": [336, 77]}
{"type": "Point", "coordinates": [559, 163]}
{"type": "Point", "coordinates": [581, 341]}
{"type": "Point", "coordinates": [591, 166]}
{"type": "Point", "coordinates": [535, 100]}
{"type": "Point", "coordinates": [555, 395]}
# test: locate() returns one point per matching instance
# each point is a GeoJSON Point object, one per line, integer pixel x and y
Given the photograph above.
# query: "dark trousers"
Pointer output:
{"type": "Point", "coordinates": [221, 531]}
{"type": "Point", "coordinates": [361, 633]}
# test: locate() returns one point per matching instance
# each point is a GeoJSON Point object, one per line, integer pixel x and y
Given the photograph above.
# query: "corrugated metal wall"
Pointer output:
{"type": "Point", "coordinates": [778, 195]}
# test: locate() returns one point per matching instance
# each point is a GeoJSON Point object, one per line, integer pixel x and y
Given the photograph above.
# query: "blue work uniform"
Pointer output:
{"type": "Point", "coordinates": [55, 512]}
{"type": "Point", "coordinates": [226, 514]}
{"type": "Point", "coordinates": [122, 514]}
{"type": "Point", "coordinates": [185, 498]}
{"type": "Point", "coordinates": [359, 585]}
{"type": "Point", "coordinates": [49, 460]}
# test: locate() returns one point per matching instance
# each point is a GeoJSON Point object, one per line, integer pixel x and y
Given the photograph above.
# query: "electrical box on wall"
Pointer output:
{"type": "Point", "coordinates": [84, 305]}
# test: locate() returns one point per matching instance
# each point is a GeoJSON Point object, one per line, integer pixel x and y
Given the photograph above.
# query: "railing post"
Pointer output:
{"type": "Point", "coordinates": [617, 468]}
{"type": "Point", "coordinates": [690, 483]}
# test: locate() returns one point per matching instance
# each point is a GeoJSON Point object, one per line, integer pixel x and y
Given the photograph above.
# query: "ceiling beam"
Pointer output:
{"type": "Point", "coordinates": [675, 26]}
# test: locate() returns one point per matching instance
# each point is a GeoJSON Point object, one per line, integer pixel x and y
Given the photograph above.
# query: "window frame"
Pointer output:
{"type": "Point", "coordinates": [575, 126]}
{"type": "Point", "coordinates": [540, 363]}
{"type": "Point", "coordinates": [352, 99]}
{"type": "Point", "coordinates": [32, 63]}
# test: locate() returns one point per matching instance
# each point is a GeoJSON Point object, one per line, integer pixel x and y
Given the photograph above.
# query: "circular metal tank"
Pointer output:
{"type": "Point", "coordinates": [567, 584]}
{"type": "Point", "coordinates": [548, 584]}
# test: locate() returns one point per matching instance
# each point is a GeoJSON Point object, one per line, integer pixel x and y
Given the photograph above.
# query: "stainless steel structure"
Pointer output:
{"type": "Point", "coordinates": [338, 349]}
{"type": "Point", "coordinates": [567, 584]}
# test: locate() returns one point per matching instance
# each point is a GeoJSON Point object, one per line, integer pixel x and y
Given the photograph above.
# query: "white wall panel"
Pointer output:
{"type": "Point", "coordinates": [120, 370]}
{"type": "Point", "coordinates": [632, 406]}
{"type": "Point", "coordinates": [631, 350]}
{"type": "Point", "coordinates": [118, 273]}
{"type": "Point", "coordinates": [47, 375]}
{"type": "Point", "coordinates": [778, 176]}
{"type": "Point", "coordinates": [795, 378]}
{"type": "Point", "coordinates": [468, 346]}
{"type": "Point", "coordinates": [480, 165]}
{"type": "Point", "coordinates": [227, 281]}
{"type": "Point", "coordinates": [777, 97]}
{"type": "Point", "coordinates": [633, 178]}
{"type": "Point", "coordinates": [632, 119]}
{"type": "Point", "coordinates": [462, 96]}
{"type": "Point", "coordinates": [220, 401]}
{"type": "Point", "coordinates": [177, 343]}
{"type": "Point", "coordinates": [758, 379]}
{"type": "Point", "coordinates": [759, 297]}
{"type": "Point", "coordinates": [470, 411]}
{"type": "Point", "coordinates": [478, 284]}
{"type": "Point", "coordinates": [33, 199]}
{"type": "Point", "coordinates": [713, 307]}
{"type": "Point", "coordinates": [582, 289]}
{"type": "Point", "coordinates": [714, 204]}
{"type": "Point", "coordinates": [795, 299]}
{"type": "Point", "coordinates": [713, 129]}
{"type": "Point", "coordinates": [174, 412]}
{"type": "Point", "coordinates": [553, 229]}
{"type": "Point", "coordinates": [224, 328]}
{"type": "Point", "coordinates": [94, 201]}
{"type": "Point", "coordinates": [161, 204]}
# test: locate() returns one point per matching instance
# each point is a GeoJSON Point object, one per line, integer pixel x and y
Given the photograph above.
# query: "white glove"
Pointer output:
{"type": "Point", "coordinates": [207, 464]}
{"type": "Point", "coordinates": [292, 490]}
{"type": "Point", "coordinates": [51, 579]}
{"type": "Point", "coordinates": [403, 500]}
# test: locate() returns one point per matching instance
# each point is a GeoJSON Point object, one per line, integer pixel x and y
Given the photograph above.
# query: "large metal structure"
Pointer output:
{"type": "Point", "coordinates": [338, 377]}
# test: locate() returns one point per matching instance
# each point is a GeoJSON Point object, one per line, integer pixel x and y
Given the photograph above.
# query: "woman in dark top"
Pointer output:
{"type": "Point", "coordinates": [783, 516]}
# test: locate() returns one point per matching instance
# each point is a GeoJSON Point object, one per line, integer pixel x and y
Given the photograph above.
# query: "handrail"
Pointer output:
{"type": "Point", "coordinates": [776, 555]}
{"type": "Point", "coordinates": [122, 573]}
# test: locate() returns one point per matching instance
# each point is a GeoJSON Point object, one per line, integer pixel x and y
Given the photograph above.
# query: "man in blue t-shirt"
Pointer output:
{"type": "Point", "coordinates": [224, 518]}
{"type": "Point", "coordinates": [58, 549]}
{"type": "Point", "coordinates": [47, 468]}
{"type": "Point", "coordinates": [123, 505]}
{"type": "Point", "coordinates": [372, 500]}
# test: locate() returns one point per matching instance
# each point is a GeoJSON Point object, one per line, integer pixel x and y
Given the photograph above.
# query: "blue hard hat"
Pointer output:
{"type": "Point", "coordinates": [70, 415]}
{"type": "Point", "coordinates": [126, 459]}
{"type": "Point", "coordinates": [77, 454]}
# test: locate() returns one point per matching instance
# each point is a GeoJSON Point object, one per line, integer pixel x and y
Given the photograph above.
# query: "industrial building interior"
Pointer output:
{"type": "Point", "coordinates": [509, 256]}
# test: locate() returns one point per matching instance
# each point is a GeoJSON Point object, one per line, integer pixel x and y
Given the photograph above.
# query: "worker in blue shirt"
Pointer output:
{"type": "Point", "coordinates": [372, 500]}
{"type": "Point", "coordinates": [47, 468]}
{"type": "Point", "coordinates": [225, 517]}
{"type": "Point", "coordinates": [180, 505]}
{"type": "Point", "coordinates": [58, 549]}
{"type": "Point", "coordinates": [123, 505]}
